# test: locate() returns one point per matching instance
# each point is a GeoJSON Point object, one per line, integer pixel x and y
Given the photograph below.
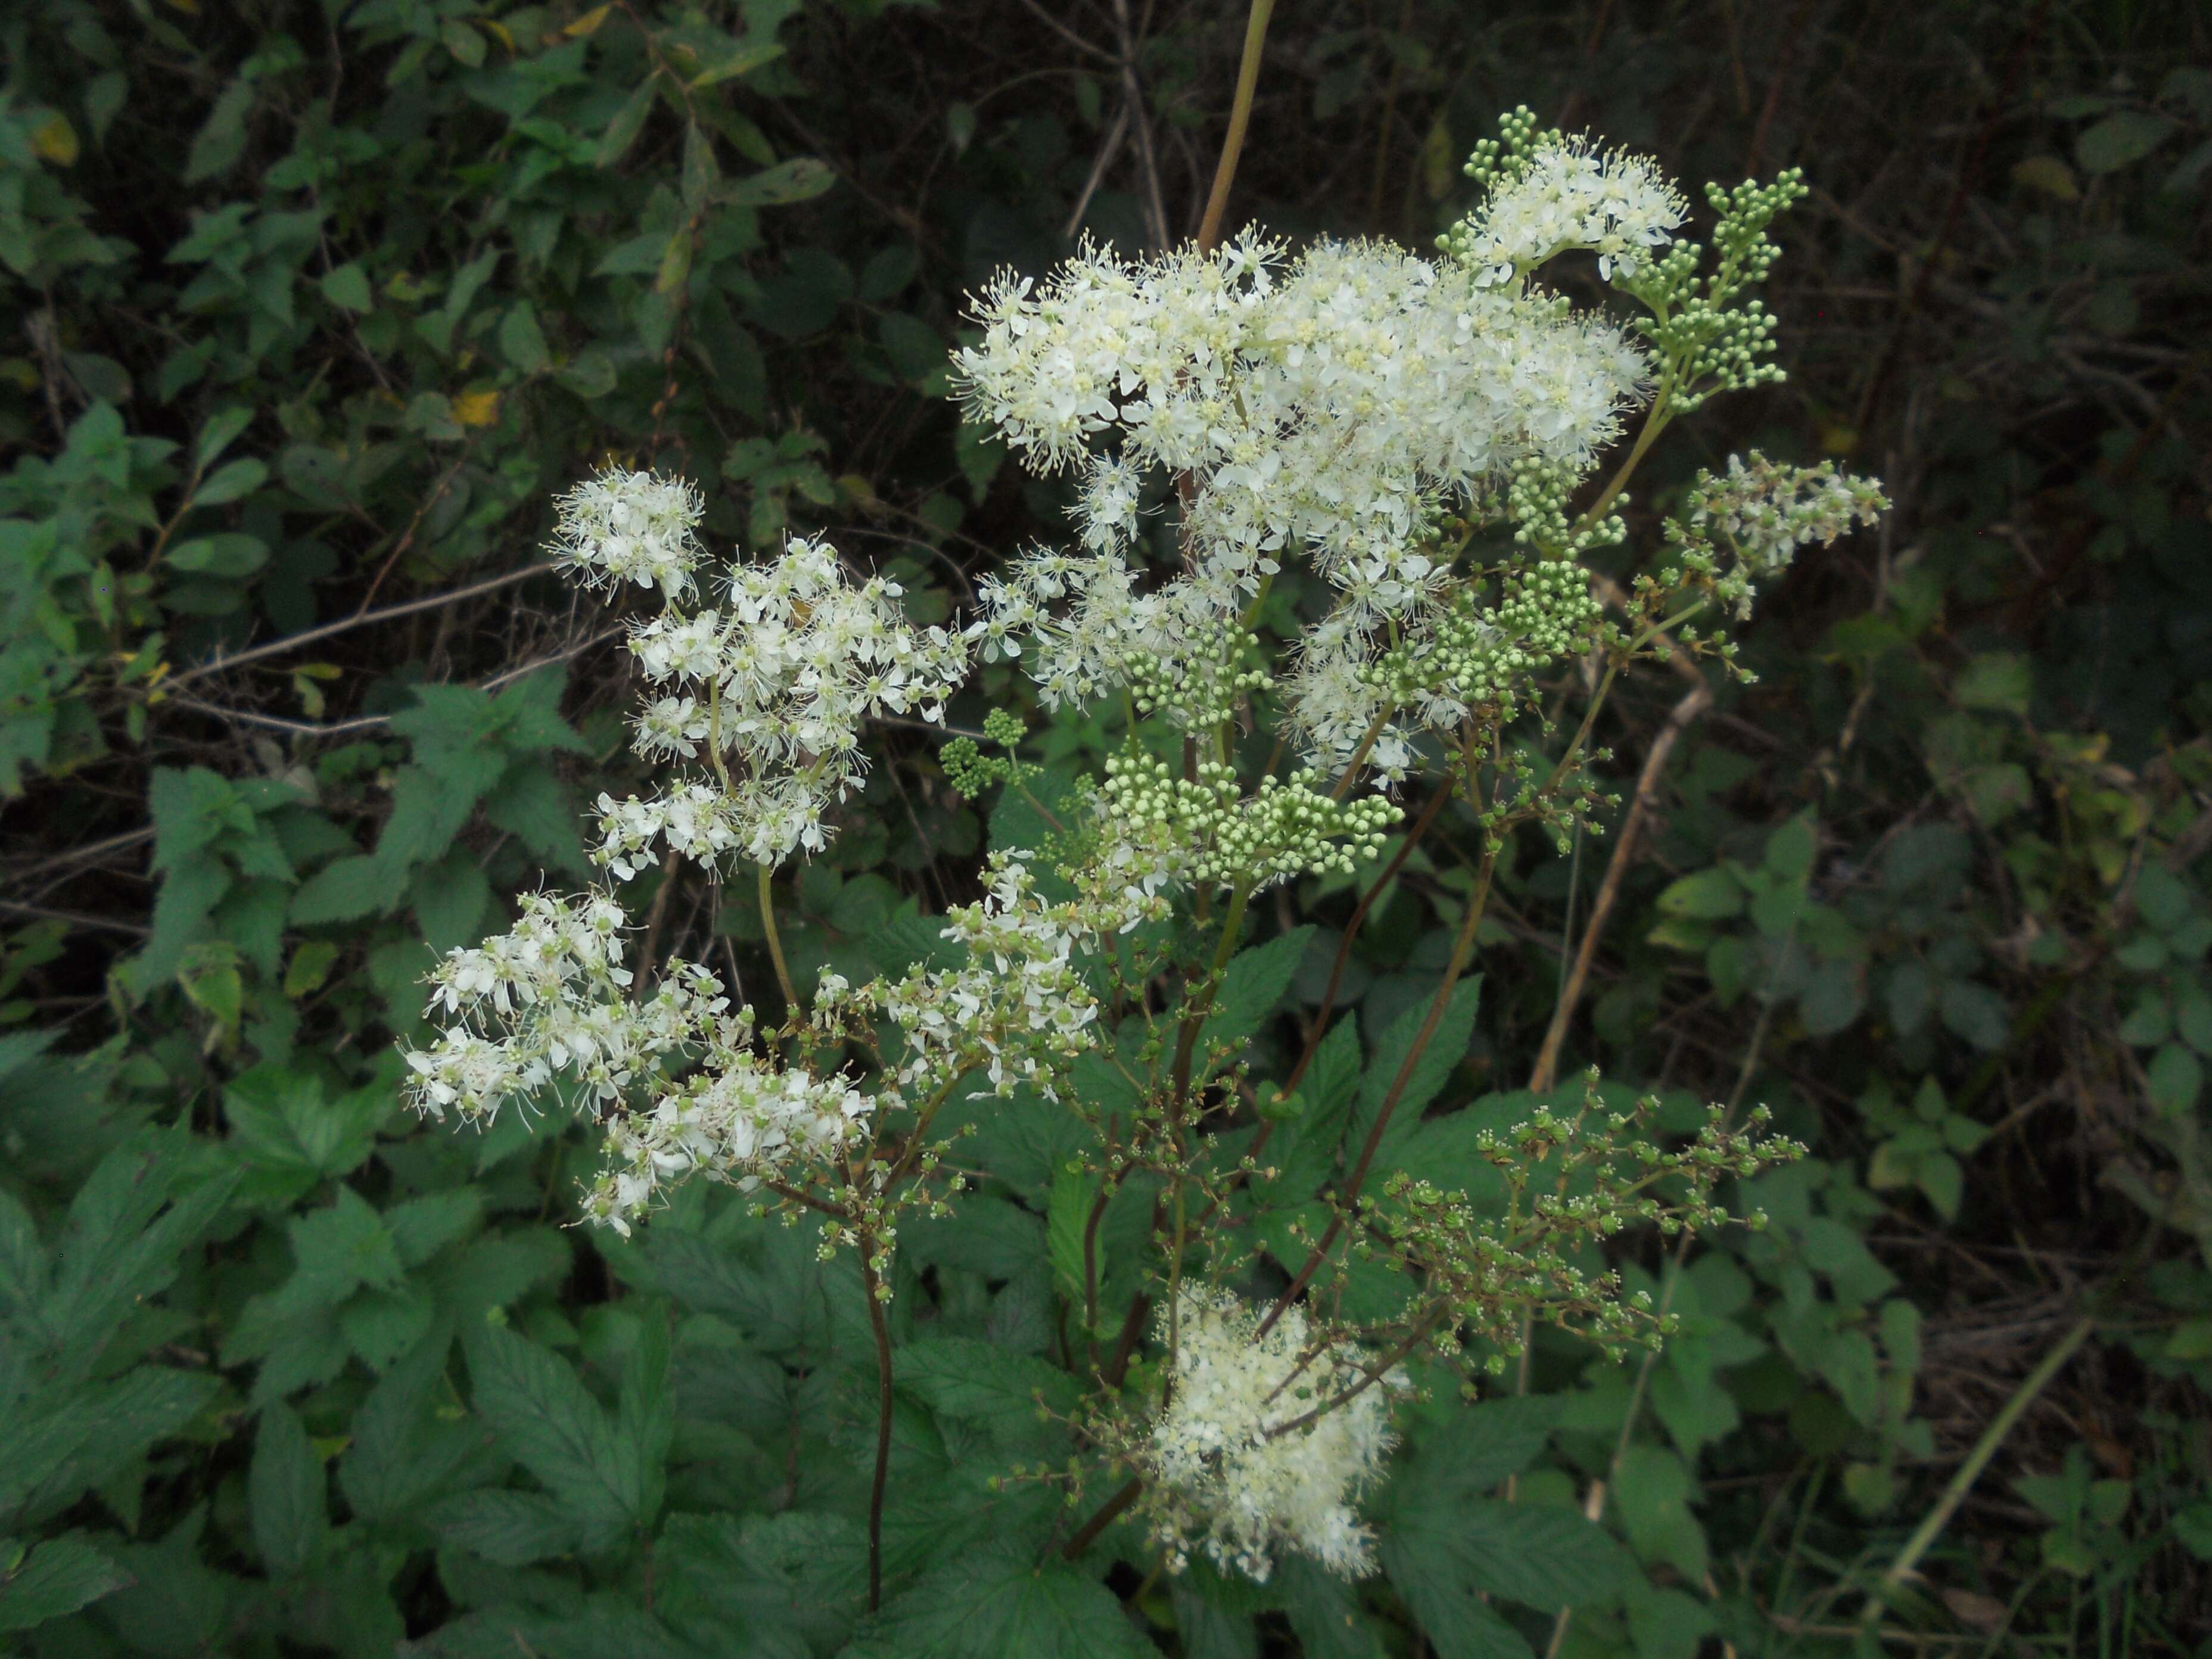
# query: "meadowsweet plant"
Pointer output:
{"type": "Point", "coordinates": [1441, 447]}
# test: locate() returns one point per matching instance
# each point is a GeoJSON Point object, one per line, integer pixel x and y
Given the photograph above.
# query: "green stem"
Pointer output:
{"type": "Point", "coordinates": [776, 944]}
{"type": "Point", "coordinates": [1655, 422]}
{"type": "Point", "coordinates": [1977, 1460]}
{"type": "Point", "coordinates": [1240, 118]}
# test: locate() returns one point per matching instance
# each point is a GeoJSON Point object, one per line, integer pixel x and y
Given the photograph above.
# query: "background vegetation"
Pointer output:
{"type": "Point", "coordinates": [312, 306]}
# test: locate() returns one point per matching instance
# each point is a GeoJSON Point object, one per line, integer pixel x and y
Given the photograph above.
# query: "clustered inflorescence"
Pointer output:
{"type": "Point", "coordinates": [1418, 433]}
{"type": "Point", "coordinates": [1760, 513]}
{"type": "Point", "coordinates": [1267, 1442]}
{"type": "Point", "coordinates": [762, 698]}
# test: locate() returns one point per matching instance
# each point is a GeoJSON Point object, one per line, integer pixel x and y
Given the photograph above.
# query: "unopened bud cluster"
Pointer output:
{"type": "Point", "coordinates": [1205, 831]}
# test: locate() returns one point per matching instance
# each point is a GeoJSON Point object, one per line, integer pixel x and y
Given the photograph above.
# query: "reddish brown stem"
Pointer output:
{"type": "Point", "coordinates": [1108, 1513]}
{"type": "Point", "coordinates": [881, 1328]}
{"type": "Point", "coordinates": [1351, 932]}
{"type": "Point", "coordinates": [1462, 951]}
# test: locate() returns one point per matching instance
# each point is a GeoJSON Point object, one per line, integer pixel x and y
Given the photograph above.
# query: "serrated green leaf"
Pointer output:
{"type": "Point", "coordinates": [513, 1529]}
{"type": "Point", "coordinates": [984, 1383]}
{"type": "Point", "coordinates": [798, 180]}
{"type": "Point", "coordinates": [1541, 1556]}
{"type": "Point", "coordinates": [1251, 986]}
{"type": "Point", "coordinates": [403, 1454]}
{"type": "Point", "coordinates": [57, 1577]}
{"type": "Point", "coordinates": [291, 1523]}
{"type": "Point", "coordinates": [546, 1419]}
{"type": "Point", "coordinates": [628, 121]}
{"type": "Point", "coordinates": [1651, 1490]}
{"type": "Point", "coordinates": [1068, 1220]}
{"type": "Point", "coordinates": [1446, 1047]}
{"type": "Point", "coordinates": [1000, 1600]}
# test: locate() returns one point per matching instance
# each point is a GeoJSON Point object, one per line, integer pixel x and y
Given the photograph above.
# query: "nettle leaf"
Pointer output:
{"type": "Point", "coordinates": [1067, 1221]}
{"type": "Point", "coordinates": [607, 1626]}
{"type": "Point", "coordinates": [1207, 1632]}
{"type": "Point", "coordinates": [1000, 1600]}
{"type": "Point", "coordinates": [770, 1285]}
{"type": "Point", "coordinates": [983, 1234]}
{"type": "Point", "coordinates": [550, 1423]}
{"type": "Point", "coordinates": [1544, 1556]}
{"type": "Point", "coordinates": [645, 1420]}
{"type": "Point", "coordinates": [57, 1577]}
{"type": "Point", "coordinates": [1304, 1150]}
{"type": "Point", "coordinates": [55, 1451]}
{"type": "Point", "coordinates": [1449, 1544]}
{"type": "Point", "coordinates": [1325, 1612]}
{"type": "Point", "coordinates": [338, 1250]}
{"type": "Point", "coordinates": [422, 1226]}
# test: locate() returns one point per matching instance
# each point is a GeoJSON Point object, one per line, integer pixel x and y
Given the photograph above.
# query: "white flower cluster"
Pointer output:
{"type": "Point", "coordinates": [1560, 195]}
{"type": "Point", "coordinates": [547, 1006]}
{"type": "Point", "coordinates": [1762, 512]}
{"type": "Point", "coordinates": [771, 690]}
{"type": "Point", "coordinates": [1018, 1008]}
{"type": "Point", "coordinates": [739, 1117]}
{"type": "Point", "coordinates": [1233, 1478]}
{"type": "Point", "coordinates": [619, 526]}
{"type": "Point", "coordinates": [549, 1003]}
{"type": "Point", "coordinates": [1332, 406]}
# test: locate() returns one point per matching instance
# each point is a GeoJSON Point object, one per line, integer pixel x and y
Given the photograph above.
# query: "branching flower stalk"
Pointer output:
{"type": "Point", "coordinates": [1406, 446]}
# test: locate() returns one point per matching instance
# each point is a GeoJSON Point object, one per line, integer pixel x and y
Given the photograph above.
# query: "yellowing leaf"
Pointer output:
{"type": "Point", "coordinates": [2048, 174]}
{"type": "Point", "coordinates": [190, 7]}
{"type": "Point", "coordinates": [55, 140]}
{"type": "Point", "coordinates": [588, 23]}
{"type": "Point", "coordinates": [492, 26]}
{"type": "Point", "coordinates": [477, 408]}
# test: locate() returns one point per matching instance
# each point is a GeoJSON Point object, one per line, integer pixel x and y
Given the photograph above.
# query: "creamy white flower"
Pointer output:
{"type": "Point", "coordinates": [1328, 408]}
{"type": "Point", "coordinates": [1240, 1473]}
{"type": "Point", "coordinates": [1564, 195]}
{"type": "Point", "coordinates": [770, 691]}
{"type": "Point", "coordinates": [635, 527]}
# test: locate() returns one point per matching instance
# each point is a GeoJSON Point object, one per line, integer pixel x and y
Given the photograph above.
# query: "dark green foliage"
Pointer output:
{"type": "Point", "coordinates": [311, 309]}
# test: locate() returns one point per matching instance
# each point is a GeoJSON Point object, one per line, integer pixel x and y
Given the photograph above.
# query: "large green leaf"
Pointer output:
{"type": "Point", "coordinates": [291, 1523]}
{"type": "Point", "coordinates": [57, 1577]}
{"type": "Point", "coordinates": [982, 1383]}
{"type": "Point", "coordinates": [550, 1423]}
{"type": "Point", "coordinates": [1001, 1602]}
